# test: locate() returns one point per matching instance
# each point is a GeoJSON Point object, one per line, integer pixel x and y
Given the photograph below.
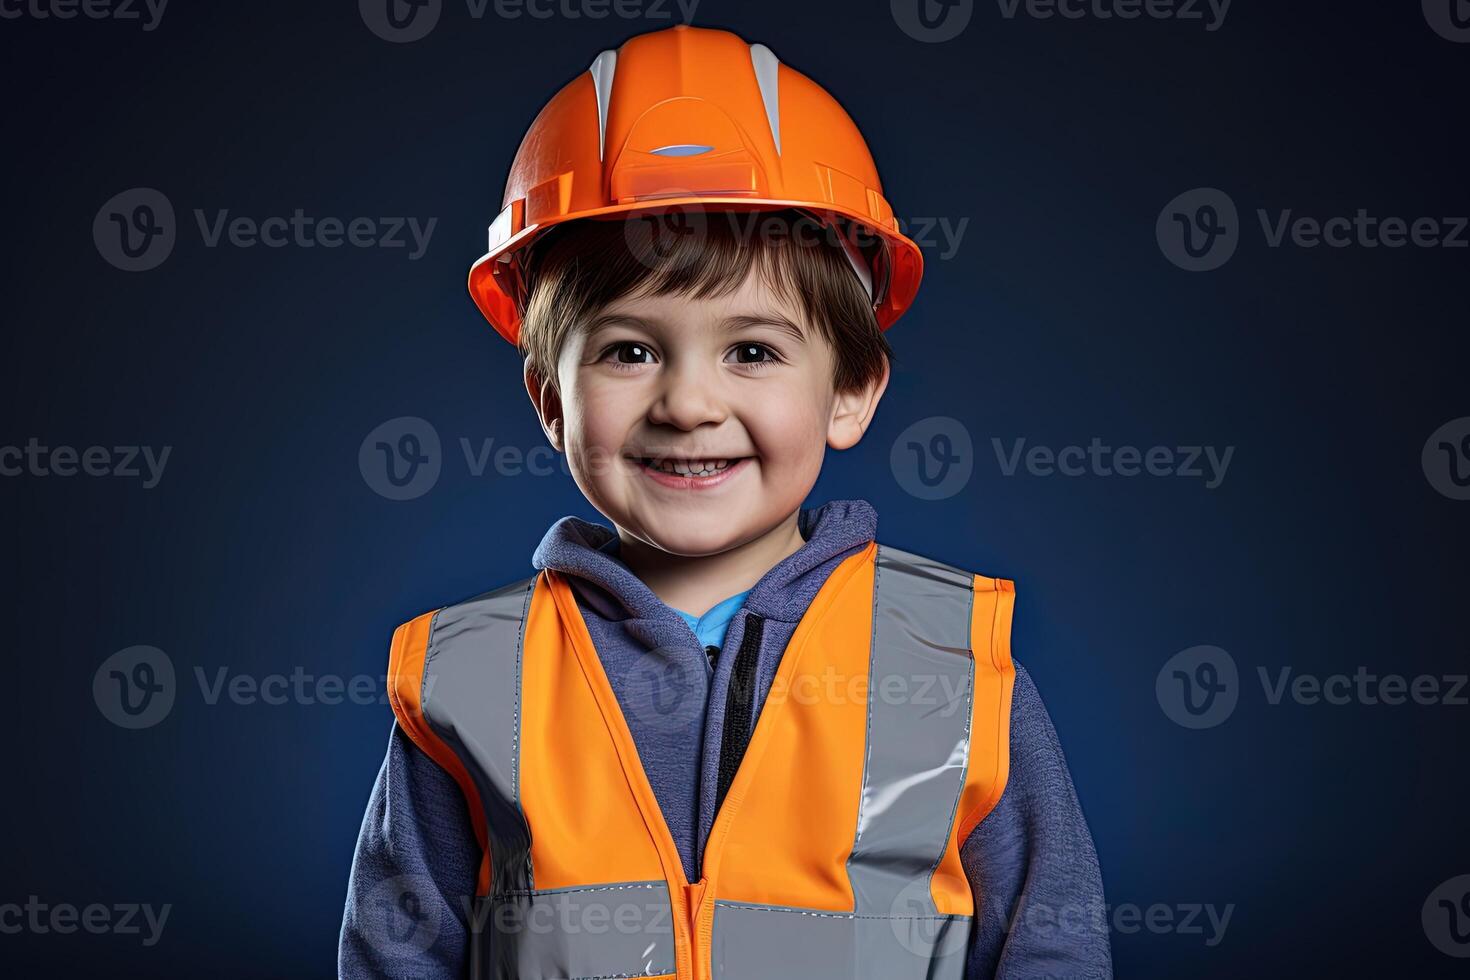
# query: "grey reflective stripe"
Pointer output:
{"type": "Point", "coordinates": [920, 684]}
{"type": "Point", "coordinates": [471, 699]}
{"type": "Point", "coordinates": [604, 68]}
{"type": "Point", "coordinates": [767, 75]}
{"type": "Point", "coordinates": [773, 943]}
{"type": "Point", "coordinates": [625, 929]}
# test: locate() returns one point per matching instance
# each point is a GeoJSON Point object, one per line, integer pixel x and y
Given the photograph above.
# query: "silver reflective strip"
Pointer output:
{"type": "Point", "coordinates": [767, 73]}
{"type": "Point", "coordinates": [472, 700]}
{"type": "Point", "coordinates": [773, 943]}
{"type": "Point", "coordinates": [624, 929]}
{"type": "Point", "coordinates": [604, 67]}
{"type": "Point", "coordinates": [920, 684]}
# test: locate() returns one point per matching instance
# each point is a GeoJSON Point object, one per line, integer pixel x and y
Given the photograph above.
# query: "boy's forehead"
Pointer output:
{"type": "Point", "coordinates": [738, 310]}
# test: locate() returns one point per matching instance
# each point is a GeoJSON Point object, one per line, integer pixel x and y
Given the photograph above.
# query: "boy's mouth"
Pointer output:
{"type": "Point", "coordinates": [688, 467]}
{"type": "Point", "coordinates": [686, 472]}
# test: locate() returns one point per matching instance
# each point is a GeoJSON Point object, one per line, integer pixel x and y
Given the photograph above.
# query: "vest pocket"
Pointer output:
{"type": "Point", "coordinates": [777, 942]}
{"type": "Point", "coordinates": [621, 929]}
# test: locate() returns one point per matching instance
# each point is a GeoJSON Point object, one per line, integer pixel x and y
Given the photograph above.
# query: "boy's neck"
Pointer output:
{"type": "Point", "coordinates": [695, 584]}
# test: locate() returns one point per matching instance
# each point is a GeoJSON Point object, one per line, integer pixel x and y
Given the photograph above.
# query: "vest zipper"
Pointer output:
{"type": "Point", "coordinates": [739, 701]}
{"type": "Point", "coordinates": [693, 899]}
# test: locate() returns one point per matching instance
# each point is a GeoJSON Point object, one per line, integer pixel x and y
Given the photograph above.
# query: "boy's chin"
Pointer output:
{"type": "Point", "coordinates": [697, 533]}
{"type": "Point", "coordinates": [690, 537]}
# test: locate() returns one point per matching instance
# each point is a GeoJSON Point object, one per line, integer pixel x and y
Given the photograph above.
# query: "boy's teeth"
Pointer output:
{"type": "Point", "coordinates": [691, 467]}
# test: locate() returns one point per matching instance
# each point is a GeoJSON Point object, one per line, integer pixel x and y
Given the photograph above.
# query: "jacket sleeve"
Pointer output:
{"type": "Point", "coordinates": [412, 874]}
{"type": "Point", "coordinates": [1032, 866]}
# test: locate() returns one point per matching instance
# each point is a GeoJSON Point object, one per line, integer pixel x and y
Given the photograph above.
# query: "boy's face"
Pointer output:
{"type": "Point", "coordinates": [697, 425]}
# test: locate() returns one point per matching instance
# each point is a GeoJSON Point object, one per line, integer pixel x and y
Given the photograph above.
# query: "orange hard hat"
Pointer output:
{"type": "Point", "coordinates": [694, 118]}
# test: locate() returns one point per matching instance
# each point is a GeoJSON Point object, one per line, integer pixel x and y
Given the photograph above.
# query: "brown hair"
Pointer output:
{"type": "Point", "coordinates": [579, 268]}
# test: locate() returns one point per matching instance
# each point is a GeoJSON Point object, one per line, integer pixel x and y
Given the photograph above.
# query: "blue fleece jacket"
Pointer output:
{"type": "Point", "coordinates": [1030, 863]}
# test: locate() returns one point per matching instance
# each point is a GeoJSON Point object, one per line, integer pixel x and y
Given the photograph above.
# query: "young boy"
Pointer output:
{"type": "Point", "coordinates": [726, 737]}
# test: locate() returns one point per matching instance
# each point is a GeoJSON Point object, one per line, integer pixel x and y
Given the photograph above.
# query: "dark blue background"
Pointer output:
{"type": "Point", "coordinates": [1058, 320]}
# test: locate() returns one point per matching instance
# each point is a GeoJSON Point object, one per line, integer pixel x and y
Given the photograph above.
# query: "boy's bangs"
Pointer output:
{"type": "Point", "coordinates": [576, 270]}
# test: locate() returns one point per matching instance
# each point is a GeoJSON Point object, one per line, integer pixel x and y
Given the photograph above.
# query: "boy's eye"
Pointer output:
{"type": "Point", "coordinates": [751, 353]}
{"type": "Point", "coordinates": [629, 352]}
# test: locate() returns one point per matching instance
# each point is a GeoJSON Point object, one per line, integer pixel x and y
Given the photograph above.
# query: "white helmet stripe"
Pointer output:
{"type": "Point", "coordinates": [766, 65]}
{"type": "Point", "coordinates": [603, 68]}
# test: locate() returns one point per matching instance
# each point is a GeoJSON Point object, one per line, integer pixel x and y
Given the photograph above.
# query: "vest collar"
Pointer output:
{"type": "Point", "coordinates": [589, 552]}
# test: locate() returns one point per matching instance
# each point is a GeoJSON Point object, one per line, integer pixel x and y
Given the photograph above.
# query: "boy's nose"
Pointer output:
{"type": "Point", "coordinates": [687, 398]}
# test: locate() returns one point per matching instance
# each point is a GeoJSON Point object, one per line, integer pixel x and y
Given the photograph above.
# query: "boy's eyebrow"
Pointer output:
{"type": "Point", "coordinates": [769, 318]}
{"type": "Point", "coordinates": [613, 319]}
{"type": "Point", "coordinates": [731, 324]}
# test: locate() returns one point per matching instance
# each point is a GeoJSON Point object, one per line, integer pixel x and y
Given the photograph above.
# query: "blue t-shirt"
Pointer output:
{"type": "Point", "coordinates": [711, 627]}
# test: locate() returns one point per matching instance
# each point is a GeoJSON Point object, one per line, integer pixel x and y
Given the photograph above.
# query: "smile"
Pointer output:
{"type": "Point", "coordinates": [690, 474]}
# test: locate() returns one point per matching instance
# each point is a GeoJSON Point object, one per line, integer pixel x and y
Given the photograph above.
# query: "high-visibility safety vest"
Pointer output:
{"type": "Point", "coordinates": [835, 850]}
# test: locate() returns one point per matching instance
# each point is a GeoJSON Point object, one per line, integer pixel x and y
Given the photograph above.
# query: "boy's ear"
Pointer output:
{"type": "Point", "coordinates": [852, 412]}
{"type": "Point", "coordinates": [548, 406]}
